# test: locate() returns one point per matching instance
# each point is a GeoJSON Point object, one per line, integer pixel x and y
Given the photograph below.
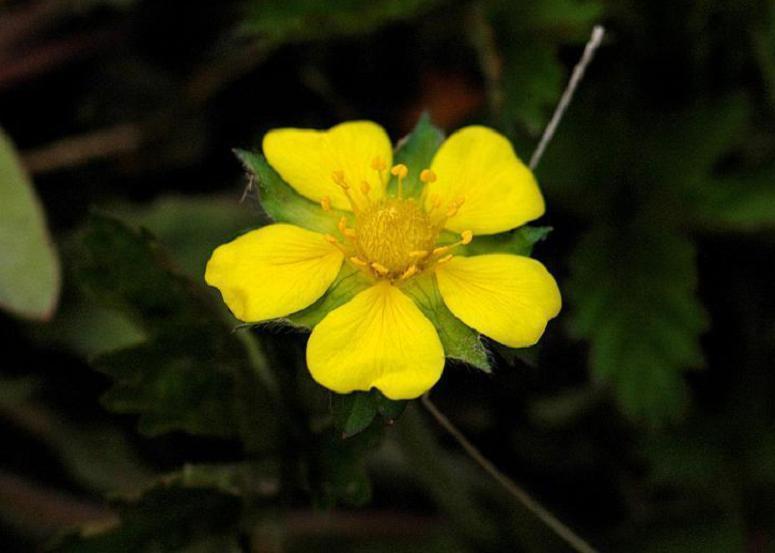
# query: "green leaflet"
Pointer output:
{"type": "Point", "coordinates": [354, 412]}
{"type": "Point", "coordinates": [460, 342]}
{"type": "Point", "coordinates": [190, 374]}
{"type": "Point", "coordinates": [282, 203]}
{"type": "Point", "coordinates": [416, 151]}
{"type": "Point", "coordinates": [29, 267]}
{"type": "Point", "coordinates": [634, 296]}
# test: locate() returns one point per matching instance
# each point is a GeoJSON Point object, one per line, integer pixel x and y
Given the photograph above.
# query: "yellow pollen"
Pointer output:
{"type": "Point", "coordinates": [440, 249]}
{"type": "Point", "coordinates": [466, 236]}
{"type": "Point", "coordinates": [342, 225]}
{"type": "Point", "coordinates": [427, 176]}
{"type": "Point", "coordinates": [325, 203]}
{"type": "Point", "coordinates": [444, 259]}
{"type": "Point", "coordinates": [418, 253]}
{"type": "Point", "coordinates": [330, 239]}
{"type": "Point", "coordinates": [355, 260]}
{"type": "Point", "coordinates": [365, 188]}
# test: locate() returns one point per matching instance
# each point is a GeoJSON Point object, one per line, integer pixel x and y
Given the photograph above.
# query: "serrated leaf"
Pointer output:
{"type": "Point", "coordinates": [459, 341]}
{"type": "Point", "coordinates": [282, 203]}
{"type": "Point", "coordinates": [416, 151]}
{"type": "Point", "coordinates": [29, 267]}
{"type": "Point", "coordinates": [738, 203]}
{"type": "Point", "coordinates": [634, 295]}
{"type": "Point", "coordinates": [353, 412]}
{"type": "Point", "coordinates": [191, 372]}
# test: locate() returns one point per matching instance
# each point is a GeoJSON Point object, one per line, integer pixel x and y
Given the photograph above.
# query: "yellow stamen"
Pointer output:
{"type": "Point", "coordinates": [378, 164]}
{"type": "Point", "coordinates": [338, 178]}
{"type": "Point", "coordinates": [365, 188]}
{"type": "Point", "coordinates": [381, 269]}
{"type": "Point", "coordinates": [355, 260]}
{"type": "Point", "coordinates": [412, 270]}
{"type": "Point", "coordinates": [444, 259]}
{"type": "Point", "coordinates": [400, 171]}
{"type": "Point", "coordinates": [325, 203]}
{"type": "Point", "coordinates": [427, 176]}
{"type": "Point", "coordinates": [440, 249]}
{"type": "Point", "coordinates": [334, 242]}
{"type": "Point", "coordinates": [418, 253]}
{"type": "Point", "coordinates": [465, 237]}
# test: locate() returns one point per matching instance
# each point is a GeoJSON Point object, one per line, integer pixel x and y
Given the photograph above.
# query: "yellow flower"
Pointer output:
{"type": "Point", "coordinates": [475, 185]}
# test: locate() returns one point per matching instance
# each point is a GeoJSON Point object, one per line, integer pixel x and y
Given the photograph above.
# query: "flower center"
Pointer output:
{"type": "Point", "coordinates": [393, 237]}
{"type": "Point", "coordinates": [389, 231]}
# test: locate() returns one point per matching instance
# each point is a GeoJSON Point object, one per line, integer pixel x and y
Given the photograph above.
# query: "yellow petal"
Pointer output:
{"type": "Point", "coordinates": [480, 166]}
{"type": "Point", "coordinates": [273, 271]}
{"type": "Point", "coordinates": [378, 339]}
{"type": "Point", "coordinates": [509, 298]}
{"type": "Point", "coordinates": [307, 158]}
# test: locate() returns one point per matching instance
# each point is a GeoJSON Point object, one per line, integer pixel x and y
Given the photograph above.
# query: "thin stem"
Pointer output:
{"type": "Point", "coordinates": [567, 95]}
{"type": "Point", "coordinates": [568, 535]}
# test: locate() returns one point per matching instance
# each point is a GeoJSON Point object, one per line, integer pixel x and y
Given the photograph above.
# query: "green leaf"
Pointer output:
{"type": "Point", "coordinates": [460, 342]}
{"type": "Point", "coordinates": [191, 374]}
{"type": "Point", "coordinates": [634, 299]}
{"type": "Point", "coordinates": [348, 283]}
{"type": "Point", "coordinates": [29, 268]}
{"type": "Point", "coordinates": [416, 151]}
{"type": "Point", "coordinates": [174, 382]}
{"type": "Point", "coordinates": [191, 227]}
{"type": "Point", "coordinates": [738, 203]}
{"type": "Point", "coordinates": [390, 409]}
{"type": "Point", "coordinates": [353, 412]}
{"type": "Point", "coordinates": [282, 203]}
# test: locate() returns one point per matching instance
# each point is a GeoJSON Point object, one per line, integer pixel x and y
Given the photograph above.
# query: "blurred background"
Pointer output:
{"type": "Point", "coordinates": [133, 418]}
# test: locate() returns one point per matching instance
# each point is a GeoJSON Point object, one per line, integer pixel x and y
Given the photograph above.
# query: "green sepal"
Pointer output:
{"type": "Point", "coordinates": [281, 202]}
{"type": "Point", "coordinates": [516, 242]}
{"type": "Point", "coordinates": [416, 151]}
{"type": "Point", "coordinates": [459, 341]}
{"type": "Point", "coordinates": [353, 412]}
{"type": "Point", "coordinates": [348, 282]}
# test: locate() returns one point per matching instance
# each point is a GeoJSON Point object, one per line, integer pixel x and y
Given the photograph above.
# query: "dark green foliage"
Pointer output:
{"type": "Point", "coordinates": [189, 374]}
{"type": "Point", "coordinates": [167, 518]}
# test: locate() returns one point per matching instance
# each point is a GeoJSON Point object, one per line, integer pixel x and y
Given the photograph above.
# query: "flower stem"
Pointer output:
{"type": "Point", "coordinates": [559, 528]}
{"type": "Point", "coordinates": [567, 95]}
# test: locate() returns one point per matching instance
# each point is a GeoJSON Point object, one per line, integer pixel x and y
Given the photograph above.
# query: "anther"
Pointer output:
{"type": "Point", "coordinates": [330, 239]}
{"type": "Point", "coordinates": [418, 253]}
{"type": "Point", "coordinates": [427, 176]}
{"type": "Point", "coordinates": [440, 249]}
{"type": "Point", "coordinates": [465, 237]}
{"type": "Point", "coordinates": [399, 171]}
{"type": "Point", "coordinates": [338, 178]}
{"type": "Point", "coordinates": [365, 188]}
{"type": "Point", "coordinates": [358, 261]}
{"type": "Point", "coordinates": [342, 224]}
{"type": "Point", "coordinates": [325, 203]}
{"type": "Point", "coordinates": [378, 164]}
{"type": "Point", "coordinates": [380, 268]}
{"type": "Point", "coordinates": [409, 272]}
{"type": "Point", "coordinates": [444, 259]}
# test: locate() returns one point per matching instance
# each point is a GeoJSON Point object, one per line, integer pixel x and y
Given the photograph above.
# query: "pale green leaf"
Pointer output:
{"type": "Point", "coordinates": [29, 268]}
